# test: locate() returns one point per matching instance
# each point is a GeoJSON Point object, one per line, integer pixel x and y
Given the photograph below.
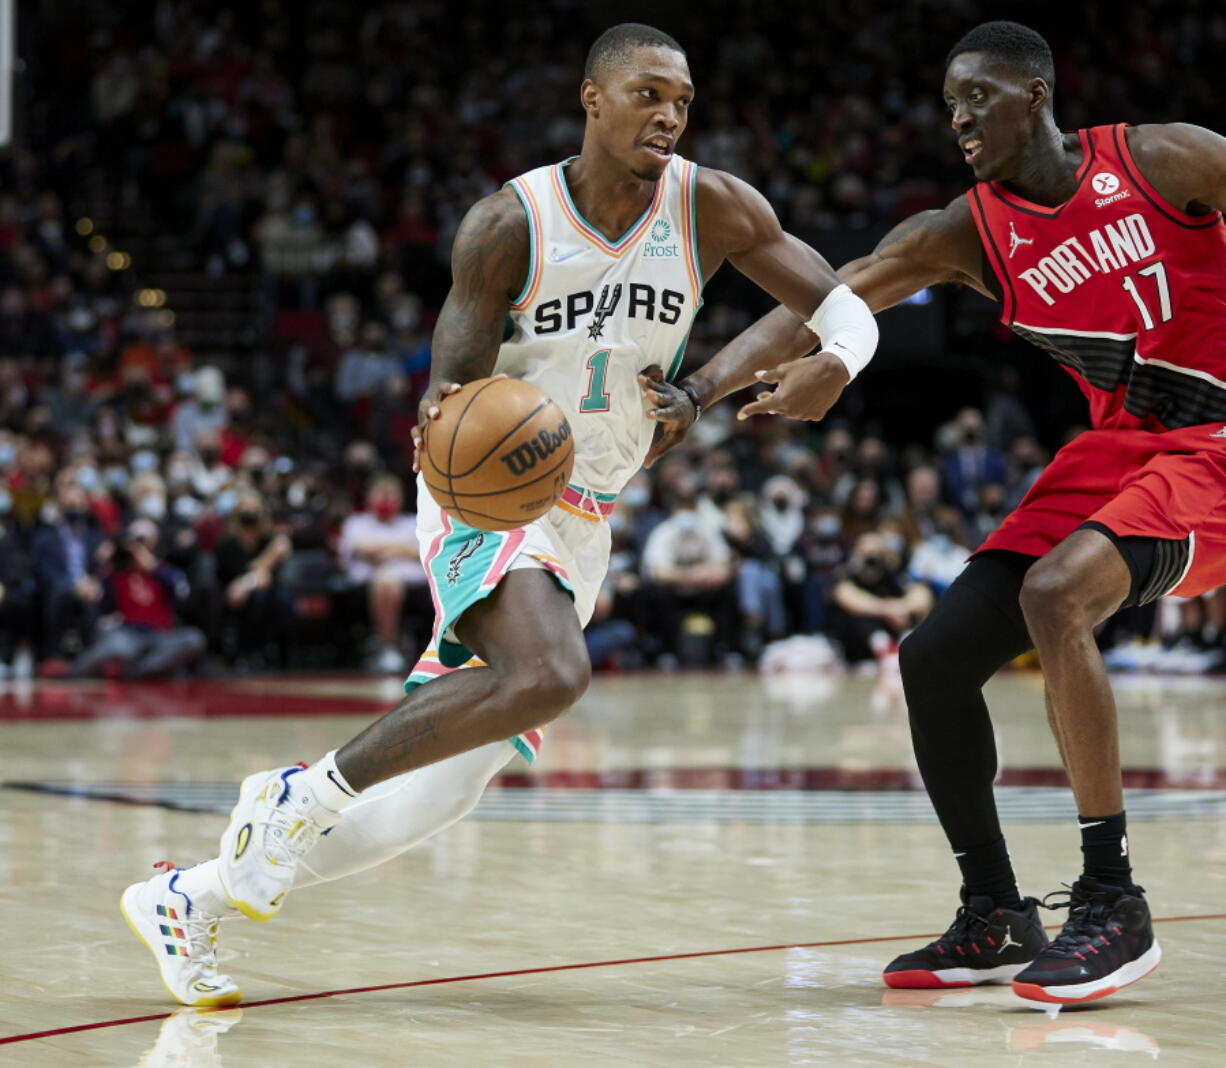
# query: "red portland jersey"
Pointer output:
{"type": "Point", "coordinates": [1126, 291]}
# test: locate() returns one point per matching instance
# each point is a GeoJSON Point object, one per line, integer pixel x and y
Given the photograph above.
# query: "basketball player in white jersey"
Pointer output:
{"type": "Point", "coordinates": [583, 278]}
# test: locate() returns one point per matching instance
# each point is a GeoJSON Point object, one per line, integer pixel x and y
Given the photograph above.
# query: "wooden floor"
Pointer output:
{"type": "Point", "coordinates": [701, 870]}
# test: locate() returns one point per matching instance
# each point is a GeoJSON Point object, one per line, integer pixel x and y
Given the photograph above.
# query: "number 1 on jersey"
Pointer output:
{"type": "Point", "coordinates": [596, 399]}
{"type": "Point", "coordinates": [1158, 272]}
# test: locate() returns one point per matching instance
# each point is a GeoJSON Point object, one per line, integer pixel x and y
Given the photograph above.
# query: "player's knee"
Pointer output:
{"type": "Point", "coordinates": [1052, 597]}
{"type": "Point", "coordinates": [545, 691]}
{"type": "Point", "coordinates": [923, 657]}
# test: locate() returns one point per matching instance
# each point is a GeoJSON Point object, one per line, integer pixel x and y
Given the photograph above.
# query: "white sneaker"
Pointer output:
{"type": "Point", "coordinates": [23, 664]}
{"type": "Point", "coordinates": [390, 662]}
{"type": "Point", "coordinates": [182, 940]}
{"type": "Point", "coordinates": [271, 827]}
{"type": "Point", "coordinates": [188, 1039]}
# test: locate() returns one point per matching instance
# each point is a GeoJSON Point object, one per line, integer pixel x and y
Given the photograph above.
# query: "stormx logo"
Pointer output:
{"type": "Point", "coordinates": [1108, 184]}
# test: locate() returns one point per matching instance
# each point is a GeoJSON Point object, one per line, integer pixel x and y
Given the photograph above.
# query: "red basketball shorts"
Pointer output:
{"type": "Point", "coordinates": [1169, 485]}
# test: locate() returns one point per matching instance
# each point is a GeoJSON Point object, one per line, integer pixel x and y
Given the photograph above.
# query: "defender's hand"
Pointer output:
{"type": "Point", "coordinates": [806, 388]}
{"type": "Point", "coordinates": [669, 406]}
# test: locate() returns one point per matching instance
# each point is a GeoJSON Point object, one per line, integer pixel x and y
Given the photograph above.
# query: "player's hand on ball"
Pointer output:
{"type": "Point", "coordinates": [805, 389]}
{"type": "Point", "coordinates": [669, 406]}
{"type": "Point", "coordinates": [428, 408]}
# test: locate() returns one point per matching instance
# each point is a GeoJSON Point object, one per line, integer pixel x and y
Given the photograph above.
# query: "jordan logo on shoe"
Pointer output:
{"type": "Point", "coordinates": [1009, 941]}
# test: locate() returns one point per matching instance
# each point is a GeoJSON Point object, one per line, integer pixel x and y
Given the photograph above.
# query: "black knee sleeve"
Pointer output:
{"type": "Point", "coordinates": [974, 630]}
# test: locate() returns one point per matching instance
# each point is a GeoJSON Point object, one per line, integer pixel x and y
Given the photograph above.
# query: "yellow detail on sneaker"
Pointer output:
{"type": "Point", "coordinates": [242, 841]}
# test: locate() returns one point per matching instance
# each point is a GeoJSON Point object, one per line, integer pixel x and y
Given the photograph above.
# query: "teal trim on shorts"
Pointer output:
{"type": "Point", "coordinates": [524, 749]}
{"type": "Point", "coordinates": [458, 573]}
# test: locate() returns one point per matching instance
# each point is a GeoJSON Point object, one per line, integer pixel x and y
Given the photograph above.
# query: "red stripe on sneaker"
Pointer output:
{"type": "Point", "coordinates": [919, 980]}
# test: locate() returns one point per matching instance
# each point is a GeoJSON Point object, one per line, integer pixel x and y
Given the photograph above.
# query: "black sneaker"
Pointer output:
{"type": "Point", "coordinates": [984, 944]}
{"type": "Point", "coordinates": [1107, 943]}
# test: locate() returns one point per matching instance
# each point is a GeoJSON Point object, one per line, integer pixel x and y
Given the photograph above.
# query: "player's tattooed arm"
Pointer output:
{"type": "Point", "coordinates": [489, 263]}
{"type": "Point", "coordinates": [1186, 164]}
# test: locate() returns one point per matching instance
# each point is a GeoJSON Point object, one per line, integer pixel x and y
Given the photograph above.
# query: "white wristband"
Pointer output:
{"type": "Point", "coordinates": [846, 329]}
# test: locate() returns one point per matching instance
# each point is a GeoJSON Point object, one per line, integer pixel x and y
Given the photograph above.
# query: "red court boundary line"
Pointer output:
{"type": "Point", "coordinates": [31, 1036]}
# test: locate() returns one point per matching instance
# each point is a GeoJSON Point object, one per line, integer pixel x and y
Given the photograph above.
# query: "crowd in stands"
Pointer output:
{"type": "Point", "coordinates": [164, 510]}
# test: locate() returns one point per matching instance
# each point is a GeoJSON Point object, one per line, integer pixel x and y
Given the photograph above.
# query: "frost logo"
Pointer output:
{"type": "Point", "coordinates": [661, 230]}
{"type": "Point", "coordinates": [1105, 183]}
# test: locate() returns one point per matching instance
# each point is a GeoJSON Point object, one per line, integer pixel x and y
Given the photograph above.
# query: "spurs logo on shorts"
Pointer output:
{"type": "Point", "coordinates": [464, 552]}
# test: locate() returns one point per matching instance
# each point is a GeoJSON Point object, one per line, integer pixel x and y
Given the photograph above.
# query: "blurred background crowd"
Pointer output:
{"type": "Point", "coordinates": [224, 236]}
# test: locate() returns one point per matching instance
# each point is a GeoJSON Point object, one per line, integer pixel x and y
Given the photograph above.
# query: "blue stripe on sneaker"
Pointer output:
{"type": "Point", "coordinates": [174, 890]}
{"type": "Point", "coordinates": [285, 781]}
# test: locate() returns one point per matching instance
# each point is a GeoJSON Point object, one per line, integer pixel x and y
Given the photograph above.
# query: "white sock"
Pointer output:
{"type": "Point", "coordinates": [398, 813]}
{"type": "Point", "coordinates": [327, 785]}
{"type": "Point", "coordinates": [203, 886]}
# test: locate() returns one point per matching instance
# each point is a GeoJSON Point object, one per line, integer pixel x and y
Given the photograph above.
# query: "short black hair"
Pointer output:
{"type": "Point", "coordinates": [1019, 46]}
{"type": "Point", "coordinates": [616, 43]}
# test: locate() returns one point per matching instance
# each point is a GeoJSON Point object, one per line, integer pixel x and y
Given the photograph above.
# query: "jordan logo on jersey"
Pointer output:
{"type": "Point", "coordinates": [1016, 242]}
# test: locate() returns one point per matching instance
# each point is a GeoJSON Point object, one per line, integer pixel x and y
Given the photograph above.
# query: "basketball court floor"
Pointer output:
{"type": "Point", "coordinates": [700, 870]}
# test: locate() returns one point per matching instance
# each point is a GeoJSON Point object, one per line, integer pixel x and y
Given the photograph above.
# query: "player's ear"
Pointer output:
{"type": "Point", "coordinates": [1040, 95]}
{"type": "Point", "coordinates": [589, 97]}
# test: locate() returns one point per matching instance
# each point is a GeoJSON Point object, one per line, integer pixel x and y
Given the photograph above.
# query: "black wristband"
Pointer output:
{"type": "Point", "coordinates": [692, 393]}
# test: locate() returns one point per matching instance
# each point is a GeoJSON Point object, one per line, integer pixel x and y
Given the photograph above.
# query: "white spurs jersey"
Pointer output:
{"type": "Point", "coordinates": [593, 313]}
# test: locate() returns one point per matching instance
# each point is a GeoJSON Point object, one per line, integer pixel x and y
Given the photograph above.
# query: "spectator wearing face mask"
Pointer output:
{"type": "Point", "coordinates": [248, 558]}
{"type": "Point", "coordinates": [208, 473]}
{"type": "Point", "coordinates": [140, 635]}
{"type": "Point", "coordinates": [939, 558]}
{"type": "Point", "coordinates": [970, 462]}
{"type": "Point", "coordinates": [72, 408]}
{"type": "Point", "coordinates": [101, 502]}
{"type": "Point", "coordinates": [824, 551]}
{"type": "Point", "coordinates": [64, 554]}
{"type": "Point", "coordinates": [380, 555]}
{"type": "Point", "coordinates": [18, 592]}
{"type": "Point", "coordinates": [203, 412]}
{"type": "Point", "coordinates": [690, 569]}
{"type": "Point", "coordinates": [877, 603]}
{"type": "Point", "coordinates": [147, 495]}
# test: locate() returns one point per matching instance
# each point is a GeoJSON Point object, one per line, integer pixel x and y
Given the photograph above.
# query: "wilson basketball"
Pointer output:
{"type": "Point", "coordinates": [499, 455]}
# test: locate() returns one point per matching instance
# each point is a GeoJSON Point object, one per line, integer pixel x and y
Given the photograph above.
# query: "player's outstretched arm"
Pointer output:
{"type": "Point", "coordinates": [737, 224]}
{"type": "Point", "coordinates": [926, 249]}
{"type": "Point", "coordinates": [489, 262]}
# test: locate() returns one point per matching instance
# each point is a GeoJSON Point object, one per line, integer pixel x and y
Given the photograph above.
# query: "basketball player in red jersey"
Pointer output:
{"type": "Point", "coordinates": [1106, 247]}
